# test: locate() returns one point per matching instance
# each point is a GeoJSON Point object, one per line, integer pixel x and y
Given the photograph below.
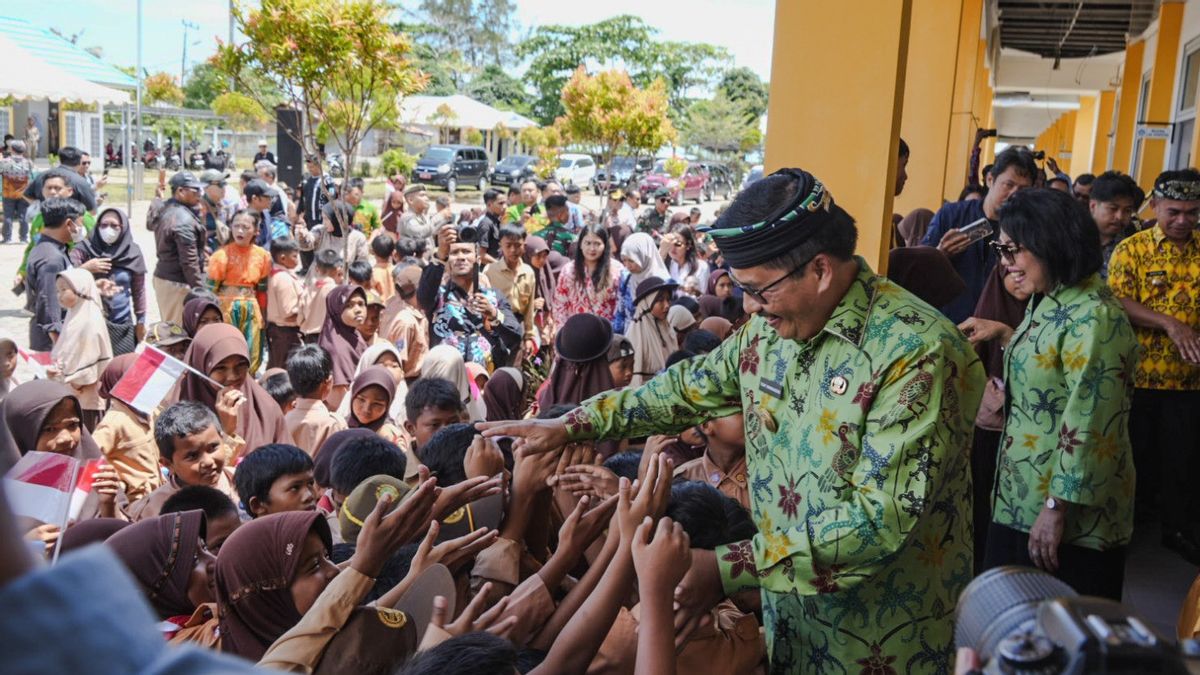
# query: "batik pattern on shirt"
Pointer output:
{"type": "Point", "coordinates": [238, 275]}
{"type": "Point", "coordinates": [857, 447]}
{"type": "Point", "coordinates": [452, 324]}
{"type": "Point", "coordinates": [1069, 372]}
{"type": "Point", "coordinates": [571, 298]}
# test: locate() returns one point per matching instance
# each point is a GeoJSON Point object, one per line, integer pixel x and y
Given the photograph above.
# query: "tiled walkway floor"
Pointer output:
{"type": "Point", "coordinates": [1156, 580]}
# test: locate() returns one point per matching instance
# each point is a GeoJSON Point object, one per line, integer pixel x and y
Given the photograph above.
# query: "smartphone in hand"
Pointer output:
{"type": "Point", "coordinates": [977, 230]}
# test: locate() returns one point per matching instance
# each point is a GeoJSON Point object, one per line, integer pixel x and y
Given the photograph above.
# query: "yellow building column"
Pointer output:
{"type": "Point", "coordinates": [841, 121]}
{"type": "Point", "coordinates": [1162, 89]}
{"type": "Point", "coordinates": [962, 122]}
{"type": "Point", "coordinates": [1104, 116]}
{"type": "Point", "coordinates": [1084, 137]}
{"type": "Point", "coordinates": [928, 95]}
{"type": "Point", "coordinates": [1131, 83]}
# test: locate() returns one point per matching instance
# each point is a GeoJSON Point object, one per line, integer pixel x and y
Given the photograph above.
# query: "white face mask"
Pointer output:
{"type": "Point", "coordinates": [78, 232]}
{"type": "Point", "coordinates": [109, 234]}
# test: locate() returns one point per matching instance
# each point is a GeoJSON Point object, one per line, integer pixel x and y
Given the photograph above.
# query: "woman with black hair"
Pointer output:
{"type": "Point", "coordinates": [1063, 499]}
{"type": "Point", "coordinates": [590, 285]}
{"type": "Point", "coordinates": [683, 261]}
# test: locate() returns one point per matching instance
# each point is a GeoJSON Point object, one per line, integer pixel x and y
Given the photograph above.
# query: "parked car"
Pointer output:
{"type": "Point", "coordinates": [513, 170]}
{"type": "Point", "coordinates": [621, 172]}
{"type": "Point", "coordinates": [720, 181]}
{"type": "Point", "coordinates": [452, 165]}
{"type": "Point", "coordinates": [756, 174]}
{"type": "Point", "coordinates": [690, 185]}
{"type": "Point", "coordinates": [575, 169]}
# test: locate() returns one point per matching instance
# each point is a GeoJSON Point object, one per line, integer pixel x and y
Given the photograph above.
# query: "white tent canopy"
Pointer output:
{"type": "Point", "coordinates": [467, 113]}
{"type": "Point", "coordinates": [25, 76]}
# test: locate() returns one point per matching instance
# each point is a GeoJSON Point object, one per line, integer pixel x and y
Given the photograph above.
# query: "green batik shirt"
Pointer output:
{"type": "Point", "coordinates": [858, 456]}
{"type": "Point", "coordinates": [558, 237]}
{"type": "Point", "coordinates": [1069, 374]}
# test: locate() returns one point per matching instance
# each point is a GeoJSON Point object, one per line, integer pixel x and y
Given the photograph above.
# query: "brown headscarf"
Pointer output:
{"type": "Point", "coordinates": [996, 304]}
{"type": "Point", "coordinates": [545, 276]}
{"type": "Point", "coordinates": [391, 216]}
{"type": "Point", "coordinates": [504, 395]}
{"type": "Point", "coordinates": [344, 343]}
{"type": "Point", "coordinates": [575, 381]}
{"type": "Point", "coordinates": [717, 325]}
{"type": "Point", "coordinates": [113, 373]}
{"type": "Point", "coordinates": [160, 553]}
{"type": "Point", "coordinates": [255, 570]}
{"type": "Point", "coordinates": [261, 419]}
{"type": "Point", "coordinates": [193, 310]}
{"type": "Point", "coordinates": [925, 272]}
{"type": "Point", "coordinates": [90, 531]}
{"type": "Point", "coordinates": [25, 410]}
{"type": "Point", "coordinates": [913, 226]}
{"type": "Point", "coordinates": [377, 376]}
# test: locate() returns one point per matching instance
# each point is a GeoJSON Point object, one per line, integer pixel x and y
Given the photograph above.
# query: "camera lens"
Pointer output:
{"type": "Point", "coordinates": [468, 234]}
{"type": "Point", "coordinates": [999, 602]}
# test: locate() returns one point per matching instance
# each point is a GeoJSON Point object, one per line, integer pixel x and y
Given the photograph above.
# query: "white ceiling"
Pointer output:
{"type": "Point", "coordinates": [1031, 93]}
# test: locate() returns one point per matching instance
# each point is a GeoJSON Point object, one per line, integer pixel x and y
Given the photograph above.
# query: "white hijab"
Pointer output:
{"type": "Point", "coordinates": [83, 349]}
{"type": "Point", "coordinates": [640, 247]}
{"type": "Point", "coordinates": [653, 341]}
{"type": "Point", "coordinates": [396, 413]}
{"type": "Point", "coordinates": [447, 363]}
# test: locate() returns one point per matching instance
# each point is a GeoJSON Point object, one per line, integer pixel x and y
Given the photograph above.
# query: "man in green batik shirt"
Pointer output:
{"type": "Point", "coordinates": [859, 402]}
{"type": "Point", "coordinates": [557, 234]}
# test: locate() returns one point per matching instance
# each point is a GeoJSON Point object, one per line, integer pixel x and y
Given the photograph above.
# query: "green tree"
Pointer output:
{"type": "Point", "coordinates": [477, 30]}
{"type": "Point", "coordinates": [204, 84]}
{"type": "Point", "coordinates": [161, 88]}
{"type": "Point", "coordinates": [240, 111]}
{"type": "Point", "coordinates": [607, 110]}
{"type": "Point", "coordinates": [554, 52]}
{"type": "Point", "coordinates": [497, 88]}
{"type": "Point", "coordinates": [743, 86]}
{"type": "Point", "coordinates": [720, 126]}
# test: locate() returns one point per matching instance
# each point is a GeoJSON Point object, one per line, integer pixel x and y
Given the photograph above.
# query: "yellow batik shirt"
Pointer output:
{"type": "Point", "coordinates": [1165, 278]}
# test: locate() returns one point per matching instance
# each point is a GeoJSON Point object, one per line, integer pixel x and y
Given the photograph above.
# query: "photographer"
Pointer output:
{"type": "Point", "coordinates": [476, 321]}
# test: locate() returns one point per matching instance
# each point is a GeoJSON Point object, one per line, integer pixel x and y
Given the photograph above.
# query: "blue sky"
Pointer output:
{"type": "Point", "coordinates": [744, 27]}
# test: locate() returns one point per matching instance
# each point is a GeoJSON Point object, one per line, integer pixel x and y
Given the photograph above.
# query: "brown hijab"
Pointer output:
{"type": "Point", "coordinates": [261, 419]}
{"type": "Point", "coordinates": [925, 272]}
{"type": "Point", "coordinates": [913, 226]}
{"type": "Point", "coordinates": [575, 381]}
{"type": "Point", "coordinates": [113, 373]}
{"type": "Point", "coordinates": [996, 304]}
{"type": "Point", "coordinates": [344, 343]}
{"type": "Point", "coordinates": [717, 325]}
{"type": "Point", "coordinates": [161, 553]}
{"type": "Point", "coordinates": [193, 310]}
{"type": "Point", "coordinates": [545, 276]}
{"type": "Point", "coordinates": [91, 531]}
{"type": "Point", "coordinates": [25, 410]}
{"type": "Point", "coordinates": [375, 376]}
{"type": "Point", "coordinates": [255, 570]}
{"type": "Point", "coordinates": [504, 395]}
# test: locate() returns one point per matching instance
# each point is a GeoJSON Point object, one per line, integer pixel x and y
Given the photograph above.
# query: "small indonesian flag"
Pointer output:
{"type": "Point", "coordinates": [149, 379]}
{"type": "Point", "coordinates": [36, 361]}
{"type": "Point", "coordinates": [40, 487]}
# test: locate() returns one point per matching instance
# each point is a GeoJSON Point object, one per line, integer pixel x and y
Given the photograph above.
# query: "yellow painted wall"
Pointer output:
{"type": "Point", "coordinates": [849, 138]}
{"type": "Point", "coordinates": [928, 94]}
{"type": "Point", "coordinates": [1103, 129]}
{"type": "Point", "coordinates": [1162, 89]}
{"type": "Point", "coordinates": [962, 124]}
{"type": "Point", "coordinates": [1131, 82]}
{"type": "Point", "coordinates": [1083, 142]}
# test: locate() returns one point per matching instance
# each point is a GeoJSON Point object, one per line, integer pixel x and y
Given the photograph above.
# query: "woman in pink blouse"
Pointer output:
{"type": "Point", "coordinates": [590, 285]}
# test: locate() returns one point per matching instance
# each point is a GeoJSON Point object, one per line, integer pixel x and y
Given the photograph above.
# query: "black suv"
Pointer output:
{"type": "Point", "coordinates": [452, 165]}
{"type": "Point", "coordinates": [720, 181]}
{"type": "Point", "coordinates": [625, 172]}
{"type": "Point", "coordinates": [513, 170]}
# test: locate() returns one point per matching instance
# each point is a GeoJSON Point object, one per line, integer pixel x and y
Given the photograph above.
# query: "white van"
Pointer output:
{"type": "Point", "coordinates": [575, 169]}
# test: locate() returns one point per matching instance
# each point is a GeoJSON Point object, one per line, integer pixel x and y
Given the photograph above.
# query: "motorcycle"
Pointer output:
{"type": "Point", "coordinates": [216, 160]}
{"type": "Point", "coordinates": [112, 156]}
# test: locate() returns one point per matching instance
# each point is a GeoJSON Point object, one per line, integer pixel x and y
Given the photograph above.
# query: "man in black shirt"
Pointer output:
{"type": "Point", "coordinates": [315, 192]}
{"type": "Point", "coordinates": [263, 153]}
{"type": "Point", "coordinates": [61, 217]}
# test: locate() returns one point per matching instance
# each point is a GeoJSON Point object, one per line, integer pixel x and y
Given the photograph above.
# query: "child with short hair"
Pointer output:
{"type": "Point", "coordinates": [326, 275]}
{"type": "Point", "coordinates": [383, 247]}
{"type": "Point", "coordinates": [285, 302]}
{"type": "Point", "coordinates": [276, 478]}
{"type": "Point", "coordinates": [238, 274]}
{"type": "Point", "coordinates": [360, 274]}
{"type": "Point", "coordinates": [411, 250]}
{"type": "Point", "coordinates": [369, 329]}
{"type": "Point", "coordinates": [723, 464]}
{"type": "Point", "coordinates": [279, 386]}
{"type": "Point", "coordinates": [513, 277]}
{"type": "Point", "coordinates": [310, 370]}
{"type": "Point", "coordinates": [431, 403]}
{"type": "Point", "coordinates": [404, 324]}
{"type": "Point", "coordinates": [193, 450]}
{"type": "Point", "coordinates": [222, 514]}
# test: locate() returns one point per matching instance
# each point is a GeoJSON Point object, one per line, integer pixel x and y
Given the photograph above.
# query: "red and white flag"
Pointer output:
{"type": "Point", "coordinates": [34, 362]}
{"type": "Point", "coordinates": [149, 379]}
{"type": "Point", "coordinates": [48, 487]}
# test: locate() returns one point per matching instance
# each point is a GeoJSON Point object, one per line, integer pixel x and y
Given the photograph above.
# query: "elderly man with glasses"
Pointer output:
{"type": "Point", "coordinates": [859, 404]}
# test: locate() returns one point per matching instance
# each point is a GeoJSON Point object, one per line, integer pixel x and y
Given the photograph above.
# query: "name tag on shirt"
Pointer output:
{"type": "Point", "coordinates": [771, 388]}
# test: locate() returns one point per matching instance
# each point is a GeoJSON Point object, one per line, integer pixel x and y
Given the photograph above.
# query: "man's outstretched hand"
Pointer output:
{"type": "Point", "coordinates": [538, 435]}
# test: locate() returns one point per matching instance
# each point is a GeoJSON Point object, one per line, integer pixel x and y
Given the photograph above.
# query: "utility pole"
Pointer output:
{"type": "Point", "coordinates": [183, 61]}
{"type": "Point", "coordinates": [136, 167]}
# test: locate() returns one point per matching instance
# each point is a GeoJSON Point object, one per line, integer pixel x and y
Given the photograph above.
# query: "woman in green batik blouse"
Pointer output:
{"type": "Point", "coordinates": [1063, 498]}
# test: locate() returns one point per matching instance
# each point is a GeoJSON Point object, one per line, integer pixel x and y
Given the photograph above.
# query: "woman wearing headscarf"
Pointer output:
{"type": "Point", "coordinates": [256, 571]}
{"type": "Point", "coordinates": [393, 209]}
{"type": "Point", "coordinates": [14, 369]}
{"type": "Point", "coordinates": [536, 366]}
{"type": "Point", "coordinates": [652, 337]}
{"type": "Point", "coordinates": [169, 560]}
{"type": "Point", "coordinates": [447, 363]}
{"type": "Point", "coordinates": [89, 532]}
{"type": "Point", "coordinates": [717, 325]}
{"type": "Point", "coordinates": [331, 235]}
{"type": "Point", "coordinates": [504, 395]}
{"type": "Point", "coordinates": [386, 355]}
{"type": "Point", "coordinates": [125, 437]}
{"type": "Point", "coordinates": [199, 312]}
{"type": "Point", "coordinates": [83, 348]}
{"type": "Point", "coordinates": [639, 254]}
{"type": "Point", "coordinates": [219, 350]}
{"type": "Point", "coordinates": [117, 257]}
{"type": "Point", "coordinates": [581, 362]}
{"type": "Point", "coordinates": [912, 227]}
{"type": "Point", "coordinates": [345, 311]}
{"type": "Point", "coordinates": [371, 397]}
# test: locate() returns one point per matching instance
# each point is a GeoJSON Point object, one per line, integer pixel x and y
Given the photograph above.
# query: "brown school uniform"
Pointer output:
{"type": "Point", "coordinates": [285, 302]}
{"type": "Point", "coordinates": [409, 331]}
{"type": "Point", "coordinates": [310, 423]}
{"type": "Point", "coordinates": [202, 629]}
{"type": "Point", "coordinates": [732, 484]}
{"type": "Point", "coordinates": [127, 442]}
{"type": "Point", "coordinates": [312, 314]}
{"type": "Point", "coordinates": [732, 645]}
{"type": "Point", "coordinates": [151, 505]}
{"type": "Point", "coordinates": [299, 650]}
{"type": "Point", "coordinates": [381, 280]}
